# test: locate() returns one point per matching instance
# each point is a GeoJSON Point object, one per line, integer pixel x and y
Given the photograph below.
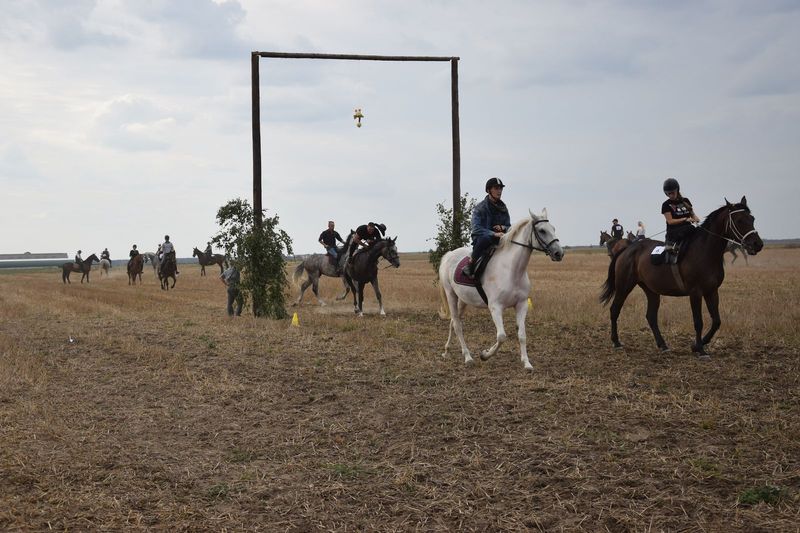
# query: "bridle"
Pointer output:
{"type": "Point", "coordinates": [731, 225]}
{"type": "Point", "coordinates": [543, 247]}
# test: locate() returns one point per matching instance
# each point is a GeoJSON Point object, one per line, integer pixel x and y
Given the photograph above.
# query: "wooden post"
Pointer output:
{"type": "Point", "coordinates": [354, 57]}
{"type": "Point", "coordinates": [457, 215]}
{"type": "Point", "coordinates": [256, 94]}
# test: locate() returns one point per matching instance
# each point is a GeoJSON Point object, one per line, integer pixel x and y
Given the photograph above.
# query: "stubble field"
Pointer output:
{"type": "Point", "coordinates": [165, 414]}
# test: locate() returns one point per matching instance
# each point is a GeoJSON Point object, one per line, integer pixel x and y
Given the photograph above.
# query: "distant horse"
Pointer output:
{"type": "Point", "coordinates": [613, 244]}
{"type": "Point", "coordinates": [631, 236]}
{"type": "Point", "coordinates": [364, 268]}
{"type": "Point", "coordinates": [317, 265]}
{"type": "Point", "coordinates": [167, 270]}
{"type": "Point", "coordinates": [135, 267]}
{"type": "Point", "coordinates": [105, 264]}
{"type": "Point", "coordinates": [202, 258]}
{"type": "Point", "coordinates": [85, 267]}
{"type": "Point", "coordinates": [505, 282]}
{"type": "Point", "coordinates": [698, 274]}
{"type": "Point", "coordinates": [733, 248]}
{"type": "Point", "coordinates": [153, 258]}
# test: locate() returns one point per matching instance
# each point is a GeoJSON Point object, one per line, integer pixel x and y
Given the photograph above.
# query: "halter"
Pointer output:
{"type": "Point", "coordinates": [544, 247]}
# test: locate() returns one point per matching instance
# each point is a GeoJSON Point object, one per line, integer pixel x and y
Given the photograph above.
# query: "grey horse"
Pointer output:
{"type": "Point", "coordinates": [734, 247]}
{"type": "Point", "coordinates": [317, 265]}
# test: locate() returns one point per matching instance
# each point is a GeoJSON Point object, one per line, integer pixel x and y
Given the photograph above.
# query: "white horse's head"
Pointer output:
{"type": "Point", "coordinates": [543, 236]}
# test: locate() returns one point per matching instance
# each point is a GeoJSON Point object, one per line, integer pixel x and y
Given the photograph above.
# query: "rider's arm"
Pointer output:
{"type": "Point", "coordinates": [481, 220]}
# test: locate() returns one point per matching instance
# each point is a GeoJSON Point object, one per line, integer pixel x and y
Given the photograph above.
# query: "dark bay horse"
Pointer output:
{"type": "Point", "coordinates": [167, 270]}
{"type": "Point", "coordinates": [698, 274]}
{"type": "Point", "coordinates": [363, 269]}
{"type": "Point", "coordinates": [202, 258]}
{"type": "Point", "coordinates": [613, 245]}
{"type": "Point", "coordinates": [135, 268]}
{"type": "Point", "coordinates": [69, 267]}
{"type": "Point", "coordinates": [317, 265]}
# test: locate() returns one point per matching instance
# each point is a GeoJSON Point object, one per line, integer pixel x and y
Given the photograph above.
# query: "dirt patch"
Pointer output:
{"type": "Point", "coordinates": [163, 413]}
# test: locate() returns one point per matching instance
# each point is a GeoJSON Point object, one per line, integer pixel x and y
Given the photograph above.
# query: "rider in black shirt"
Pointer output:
{"type": "Point", "coordinates": [328, 239]}
{"type": "Point", "coordinates": [678, 212]}
{"type": "Point", "coordinates": [366, 235]}
{"type": "Point", "coordinates": [616, 229]}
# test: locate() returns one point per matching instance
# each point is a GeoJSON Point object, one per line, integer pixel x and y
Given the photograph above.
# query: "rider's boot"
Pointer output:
{"type": "Point", "coordinates": [469, 269]}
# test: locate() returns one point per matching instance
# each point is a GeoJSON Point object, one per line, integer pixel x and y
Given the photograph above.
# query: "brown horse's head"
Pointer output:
{"type": "Point", "coordinates": [740, 226]}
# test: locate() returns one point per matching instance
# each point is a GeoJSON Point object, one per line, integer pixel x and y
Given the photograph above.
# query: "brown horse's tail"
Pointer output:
{"type": "Point", "coordinates": [298, 271]}
{"type": "Point", "coordinates": [609, 287]}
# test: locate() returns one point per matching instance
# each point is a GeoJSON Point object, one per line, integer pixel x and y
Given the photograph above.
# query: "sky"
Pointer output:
{"type": "Point", "coordinates": [122, 121]}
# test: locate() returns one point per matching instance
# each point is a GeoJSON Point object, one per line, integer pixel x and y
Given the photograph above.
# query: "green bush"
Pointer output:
{"type": "Point", "coordinates": [445, 239]}
{"type": "Point", "coordinates": [258, 253]}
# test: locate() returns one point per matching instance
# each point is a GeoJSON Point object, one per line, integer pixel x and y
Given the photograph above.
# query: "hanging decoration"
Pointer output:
{"type": "Point", "coordinates": [357, 116]}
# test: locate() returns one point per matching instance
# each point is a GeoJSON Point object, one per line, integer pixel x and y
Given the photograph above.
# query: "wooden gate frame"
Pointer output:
{"type": "Point", "coordinates": [256, 95]}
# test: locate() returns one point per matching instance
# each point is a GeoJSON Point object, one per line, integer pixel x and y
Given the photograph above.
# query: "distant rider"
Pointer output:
{"type": "Point", "coordinates": [79, 260]}
{"type": "Point", "coordinates": [490, 221]}
{"type": "Point", "coordinates": [106, 255]}
{"type": "Point", "coordinates": [366, 235]}
{"type": "Point", "coordinates": [168, 254]}
{"type": "Point", "coordinates": [208, 252]}
{"type": "Point", "coordinates": [133, 253]}
{"type": "Point", "coordinates": [616, 230]}
{"type": "Point", "coordinates": [640, 233]}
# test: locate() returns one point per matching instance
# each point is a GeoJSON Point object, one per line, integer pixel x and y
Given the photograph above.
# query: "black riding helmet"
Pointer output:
{"type": "Point", "coordinates": [494, 182]}
{"type": "Point", "coordinates": [671, 184]}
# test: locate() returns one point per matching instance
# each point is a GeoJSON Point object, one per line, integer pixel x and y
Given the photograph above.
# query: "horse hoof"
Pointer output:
{"type": "Point", "coordinates": [469, 362]}
{"type": "Point", "coordinates": [704, 357]}
{"type": "Point", "coordinates": [529, 368]}
{"type": "Point", "coordinates": [664, 348]}
{"type": "Point", "coordinates": [618, 346]}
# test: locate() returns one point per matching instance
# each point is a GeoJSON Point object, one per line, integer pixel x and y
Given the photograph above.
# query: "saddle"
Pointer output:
{"type": "Point", "coordinates": [668, 254]}
{"type": "Point", "coordinates": [480, 266]}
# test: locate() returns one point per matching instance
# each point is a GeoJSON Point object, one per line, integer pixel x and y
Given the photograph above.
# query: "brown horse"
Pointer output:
{"type": "Point", "coordinates": [85, 267]}
{"type": "Point", "coordinates": [202, 258]}
{"type": "Point", "coordinates": [135, 268]}
{"type": "Point", "coordinates": [614, 246]}
{"type": "Point", "coordinates": [167, 270]}
{"type": "Point", "coordinates": [698, 274]}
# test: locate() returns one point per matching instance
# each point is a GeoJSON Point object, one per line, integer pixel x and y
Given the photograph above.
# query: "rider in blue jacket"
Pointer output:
{"type": "Point", "coordinates": [490, 220]}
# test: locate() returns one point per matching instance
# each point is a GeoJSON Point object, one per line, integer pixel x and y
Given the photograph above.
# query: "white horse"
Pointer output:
{"type": "Point", "coordinates": [105, 264]}
{"type": "Point", "coordinates": [505, 282]}
{"type": "Point", "coordinates": [153, 258]}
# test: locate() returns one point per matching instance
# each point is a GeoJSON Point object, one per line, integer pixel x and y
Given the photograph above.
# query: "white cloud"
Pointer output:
{"type": "Point", "coordinates": [133, 123]}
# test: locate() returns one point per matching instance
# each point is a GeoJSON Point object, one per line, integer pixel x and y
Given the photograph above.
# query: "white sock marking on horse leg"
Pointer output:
{"type": "Point", "coordinates": [522, 311]}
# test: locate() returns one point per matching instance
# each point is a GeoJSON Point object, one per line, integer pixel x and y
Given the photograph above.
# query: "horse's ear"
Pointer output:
{"type": "Point", "coordinates": [744, 201]}
{"type": "Point", "coordinates": [394, 240]}
{"type": "Point", "coordinates": [727, 203]}
{"type": "Point", "coordinates": [544, 212]}
{"type": "Point", "coordinates": [531, 213]}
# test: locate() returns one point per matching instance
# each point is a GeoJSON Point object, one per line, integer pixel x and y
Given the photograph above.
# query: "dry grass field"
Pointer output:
{"type": "Point", "coordinates": [165, 414]}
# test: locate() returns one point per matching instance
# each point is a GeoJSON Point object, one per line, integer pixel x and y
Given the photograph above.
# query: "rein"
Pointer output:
{"type": "Point", "coordinates": [545, 247]}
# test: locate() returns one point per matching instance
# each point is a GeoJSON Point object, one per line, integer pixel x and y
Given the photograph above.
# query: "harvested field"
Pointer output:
{"type": "Point", "coordinates": [165, 414]}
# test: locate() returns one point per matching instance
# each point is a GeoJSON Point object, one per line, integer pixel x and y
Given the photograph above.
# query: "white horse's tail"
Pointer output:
{"type": "Point", "coordinates": [444, 309]}
{"type": "Point", "coordinates": [298, 271]}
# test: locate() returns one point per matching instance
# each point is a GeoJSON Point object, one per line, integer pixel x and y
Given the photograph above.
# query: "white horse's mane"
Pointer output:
{"type": "Point", "coordinates": [515, 229]}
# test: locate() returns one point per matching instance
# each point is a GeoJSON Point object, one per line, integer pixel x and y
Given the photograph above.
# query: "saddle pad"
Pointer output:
{"type": "Point", "coordinates": [658, 250]}
{"type": "Point", "coordinates": [460, 278]}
